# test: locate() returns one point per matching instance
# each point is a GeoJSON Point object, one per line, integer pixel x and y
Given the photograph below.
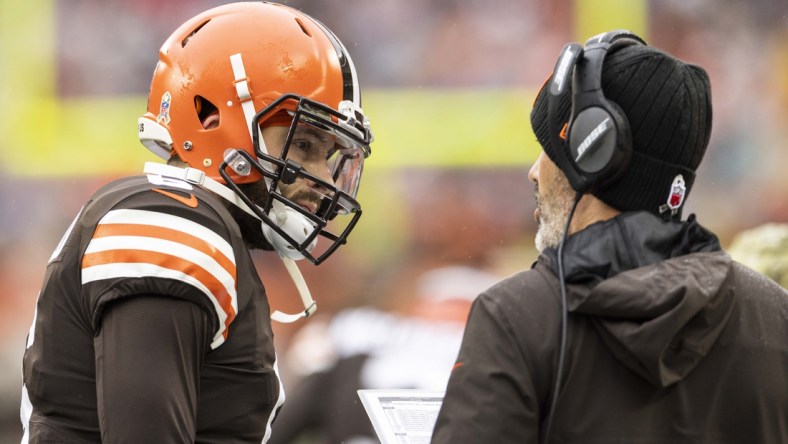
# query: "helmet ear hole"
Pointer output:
{"type": "Point", "coordinates": [207, 112]}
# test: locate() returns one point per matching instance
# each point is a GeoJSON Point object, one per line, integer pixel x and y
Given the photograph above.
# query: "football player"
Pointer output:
{"type": "Point", "coordinates": [152, 324]}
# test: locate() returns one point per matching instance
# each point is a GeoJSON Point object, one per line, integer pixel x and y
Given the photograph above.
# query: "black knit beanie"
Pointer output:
{"type": "Point", "coordinates": [668, 104]}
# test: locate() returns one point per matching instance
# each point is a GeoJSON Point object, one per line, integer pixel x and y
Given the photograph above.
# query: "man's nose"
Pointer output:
{"type": "Point", "coordinates": [322, 171]}
{"type": "Point", "coordinates": [533, 173]}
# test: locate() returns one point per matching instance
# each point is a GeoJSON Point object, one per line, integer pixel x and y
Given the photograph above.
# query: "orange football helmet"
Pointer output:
{"type": "Point", "coordinates": [234, 69]}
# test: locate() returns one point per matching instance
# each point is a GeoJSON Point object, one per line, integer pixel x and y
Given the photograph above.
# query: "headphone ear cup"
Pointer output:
{"type": "Point", "coordinates": [600, 143]}
{"type": "Point", "coordinates": [592, 140]}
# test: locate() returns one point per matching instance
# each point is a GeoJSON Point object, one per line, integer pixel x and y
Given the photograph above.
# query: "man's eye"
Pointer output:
{"type": "Point", "coordinates": [303, 145]}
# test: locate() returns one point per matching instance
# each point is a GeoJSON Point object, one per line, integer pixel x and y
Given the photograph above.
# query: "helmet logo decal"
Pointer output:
{"type": "Point", "coordinates": [678, 190]}
{"type": "Point", "coordinates": [164, 109]}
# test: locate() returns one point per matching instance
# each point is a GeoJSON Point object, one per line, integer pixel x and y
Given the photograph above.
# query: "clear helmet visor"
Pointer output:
{"type": "Point", "coordinates": [313, 159]}
{"type": "Point", "coordinates": [317, 164]}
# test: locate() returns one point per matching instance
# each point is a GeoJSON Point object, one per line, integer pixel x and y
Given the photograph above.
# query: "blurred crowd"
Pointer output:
{"type": "Point", "coordinates": [420, 224]}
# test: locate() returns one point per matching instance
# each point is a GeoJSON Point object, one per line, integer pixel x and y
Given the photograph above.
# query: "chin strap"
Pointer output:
{"type": "Point", "coordinates": [310, 306]}
{"type": "Point", "coordinates": [197, 177]}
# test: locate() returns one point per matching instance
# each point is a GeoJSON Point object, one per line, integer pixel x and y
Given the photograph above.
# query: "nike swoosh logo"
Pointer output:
{"type": "Point", "coordinates": [190, 201]}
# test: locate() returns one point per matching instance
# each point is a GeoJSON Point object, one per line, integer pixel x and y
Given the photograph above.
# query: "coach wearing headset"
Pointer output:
{"type": "Point", "coordinates": [633, 325]}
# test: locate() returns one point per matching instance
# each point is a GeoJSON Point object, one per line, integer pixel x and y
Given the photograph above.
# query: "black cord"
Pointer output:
{"type": "Point", "coordinates": [564, 314]}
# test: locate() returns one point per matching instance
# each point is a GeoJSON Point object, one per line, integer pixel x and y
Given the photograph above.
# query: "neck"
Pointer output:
{"type": "Point", "coordinates": [590, 210]}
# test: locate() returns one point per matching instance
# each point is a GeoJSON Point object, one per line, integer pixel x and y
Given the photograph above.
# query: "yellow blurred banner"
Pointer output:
{"type": "Point", "coordinates": [451, 128]}
{"type": "Point", "coordinates": [97, 136]}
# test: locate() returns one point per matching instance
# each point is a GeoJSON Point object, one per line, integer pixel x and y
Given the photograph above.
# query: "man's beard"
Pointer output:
{"type": "Point", "coordinates": [553, 211]}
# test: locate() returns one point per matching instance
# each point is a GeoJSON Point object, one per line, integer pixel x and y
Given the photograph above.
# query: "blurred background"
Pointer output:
{"type": "Point", "coordinates": [448, 86]}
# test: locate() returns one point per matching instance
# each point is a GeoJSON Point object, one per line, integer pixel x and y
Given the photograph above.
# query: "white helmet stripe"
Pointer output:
{"type": "Point", "coordinates": [245, 95]}
{"type": "Point", "coordinates": [247, 103]}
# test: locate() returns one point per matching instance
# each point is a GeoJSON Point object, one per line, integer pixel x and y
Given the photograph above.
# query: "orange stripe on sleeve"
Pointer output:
{"type": "Point", "coordinates": [105, 230]}
{"type": "Point", "coordinates": [170, 262]}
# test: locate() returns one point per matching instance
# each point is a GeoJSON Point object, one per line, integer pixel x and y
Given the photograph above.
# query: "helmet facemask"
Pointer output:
{"type": "Point", "coordinates": [312, 172]}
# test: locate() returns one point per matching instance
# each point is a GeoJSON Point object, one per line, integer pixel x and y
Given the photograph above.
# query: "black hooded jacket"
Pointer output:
{"type": "Point", "coordinates": [669, 341]}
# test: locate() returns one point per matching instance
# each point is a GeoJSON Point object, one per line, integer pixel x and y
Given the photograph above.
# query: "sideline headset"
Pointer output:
{"type": "Point", "coordinates": [592, 149]}
{"type": "Point", "coordinates": [597, 141]}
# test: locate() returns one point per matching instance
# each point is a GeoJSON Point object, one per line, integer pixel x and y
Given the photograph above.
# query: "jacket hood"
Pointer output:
{"type": "Point", "coordinates": [654, 290]}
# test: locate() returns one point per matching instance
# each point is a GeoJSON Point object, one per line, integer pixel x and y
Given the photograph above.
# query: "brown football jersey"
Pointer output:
{"type": "Point", "coordinates": [164, 245]}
